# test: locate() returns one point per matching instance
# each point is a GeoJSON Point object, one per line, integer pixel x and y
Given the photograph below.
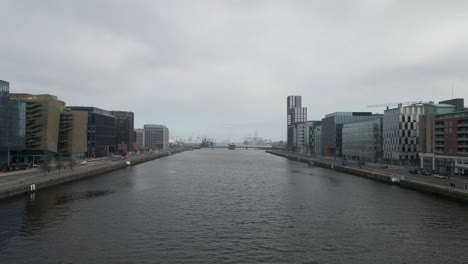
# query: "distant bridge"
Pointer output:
{"type": "Point", "coordinates": [265, 147]}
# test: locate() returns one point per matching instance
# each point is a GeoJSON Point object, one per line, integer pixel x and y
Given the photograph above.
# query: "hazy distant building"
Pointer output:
{"type": "Point", "coordinates": [73, 133]}
{"type": "Point", "coordinates": [300, 138]}
{"type": "Point", "coordinates": [156, 137]}
{"type": "Point", "coordinates": [312, 125]}
{"type": "Point", "coordinates": [362, 140]}
{"type": "Point", "coordinates": [332, 126]}
{"type": "Point", "coordinates": [295, 114]}
{"type": "Point", "coordinates": [318, 140]}
{"type": "Point", "coordinates": [42, 124]}
{"type": "Point", "coordinates": [101, 131]}
{"type": "Point", "coordinates": [124, 123]}
{"type": "Point", "coordinates": [12, 124]}
{"type": "Point", "coordinates": [140, 138]}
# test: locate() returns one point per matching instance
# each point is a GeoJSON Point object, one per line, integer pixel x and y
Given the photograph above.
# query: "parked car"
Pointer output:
{"type": "Point", "coordinates": [384, 166]}
{"type": "Point", "coordinates": [424, 172]}
{"type": "Point", "coordinates": [440, 176]}
{"type": "Point", "coordinates": [84, 162]}
{"type": "Point", "coordinates": [361, 163]}
{"type": "Point", "coordinates": [415, 171]}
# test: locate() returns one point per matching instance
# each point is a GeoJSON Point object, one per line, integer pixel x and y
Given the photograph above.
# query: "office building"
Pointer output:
{"type": "Point", "coordinates": [362, 140]}
{"type": "Point", "coordinates": [295, 114]}
{"type": "Point", "coordinates": [332, 128]}
{"type": "Point", "coordinates": [156, 137]}
{"type": "Point", "coordinates": [73, 134]}
{"type": "Point", "coordinates": [124, 123]}
{"type": "Point", "coordinates": [101, 129]}
{"type": "Point", "coordinates": [12, 125]}
{"type": "Point", "coordinates": [401, 132]}
{"type": "Point", "coordinates": [42, 125]}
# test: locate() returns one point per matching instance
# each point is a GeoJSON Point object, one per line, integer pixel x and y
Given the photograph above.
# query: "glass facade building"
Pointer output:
{"type": "Point", "coordinates": [101, 131]}
{"type": "Point", "coordinates": [332, 129]}
{"type": "Point", "coordinates": [4, 87]}
{"type": "Point", "coordinates": [362, 140]}
{"type": "Point", "coordinates": [12, 123]}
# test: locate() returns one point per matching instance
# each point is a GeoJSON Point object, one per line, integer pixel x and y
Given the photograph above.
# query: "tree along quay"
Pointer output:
{"type": "Point", "coordinates": [389, 178]}
{"type": "Point", "coordinates": [25, 183]}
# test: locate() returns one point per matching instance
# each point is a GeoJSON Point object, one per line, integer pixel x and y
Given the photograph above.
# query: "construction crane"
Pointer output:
{"type": "Point", "coordinates": [399, 104]}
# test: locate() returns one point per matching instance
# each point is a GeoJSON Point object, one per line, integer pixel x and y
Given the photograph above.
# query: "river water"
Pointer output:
{"type": "Point", "coordinates": [240, 206]}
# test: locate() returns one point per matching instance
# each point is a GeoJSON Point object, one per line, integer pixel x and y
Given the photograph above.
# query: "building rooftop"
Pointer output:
{"type": "Point", "coordinates": [154, 126]}
{"type": "Point", "coordinates": [91, 109]}
{"type": "Point", "coordinates": [463, 113]}
{"type": "Point", "coordinates": [349, 114]}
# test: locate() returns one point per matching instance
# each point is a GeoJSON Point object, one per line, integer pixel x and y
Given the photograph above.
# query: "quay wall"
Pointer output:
{"type": "Point", "coordinates": [22, 188]}
{"type": "Point", "coordinates": [438, 190]}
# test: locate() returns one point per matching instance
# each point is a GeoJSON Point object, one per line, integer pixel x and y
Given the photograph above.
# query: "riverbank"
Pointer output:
{"type": "Point", "coordinates": [388, 178]}
{"type": "Point", "coordinates": [22, 184]}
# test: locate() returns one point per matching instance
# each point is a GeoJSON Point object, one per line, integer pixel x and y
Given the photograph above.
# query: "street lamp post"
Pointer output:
{"type": "Point", "coordinates": [8, 162]}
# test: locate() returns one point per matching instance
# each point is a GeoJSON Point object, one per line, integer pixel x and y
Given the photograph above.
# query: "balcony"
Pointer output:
{"type": "Point", "coordinates": [462, 132]}
{"type": "Point", "coordinates": [462, 125]}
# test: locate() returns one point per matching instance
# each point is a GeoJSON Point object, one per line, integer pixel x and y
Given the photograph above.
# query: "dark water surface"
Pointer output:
{"type": "Point", "coordinates": [241, 206]}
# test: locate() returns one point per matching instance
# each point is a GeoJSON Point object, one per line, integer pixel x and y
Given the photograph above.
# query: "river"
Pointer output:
{"type": "Point", "coordinates": [238, 206]}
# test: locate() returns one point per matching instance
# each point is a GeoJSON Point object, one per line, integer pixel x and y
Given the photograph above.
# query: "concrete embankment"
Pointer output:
{"type": "Point", "coordinates": [23, 185]}
{"type": "Point", "coordinates": [417, 185]}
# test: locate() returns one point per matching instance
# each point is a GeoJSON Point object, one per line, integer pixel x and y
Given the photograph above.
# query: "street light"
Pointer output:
{"type": "Point", "coordinates": [8, 155]}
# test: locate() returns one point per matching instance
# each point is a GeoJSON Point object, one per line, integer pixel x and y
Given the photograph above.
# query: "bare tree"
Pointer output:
{"type": "Point", "coordinates": [72, 162]}
{"type": "Point", "coordinates": [45, 167]}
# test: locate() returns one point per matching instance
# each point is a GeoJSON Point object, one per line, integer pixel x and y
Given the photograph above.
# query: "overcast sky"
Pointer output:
{"type": "Point", "coordinates": [222, 68]}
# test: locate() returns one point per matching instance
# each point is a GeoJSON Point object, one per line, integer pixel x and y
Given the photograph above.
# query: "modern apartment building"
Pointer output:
{"type": "Point", "coordinates": [401, 131]}
{"type": "Point", "coordinates": [156, 137]}
{"type": "Point", "coordinates": [332, 128]}
{"type": "Point", "coordinates": [450, 155]}
{"type": "Point", "coordinates": [101, 131]}
{"type": "Point", "coordinates": [300, 137]}
{"type": "Point", "coordinates": [312, 125]}
{"type": "Point", "coordinates": [295, 114]}
{"type": "Point", "coordinates": [124, 123]}
{"type": "Point", "coordinates": [362, 140]}
{"type": "Point", "coordinates": [12, 124]}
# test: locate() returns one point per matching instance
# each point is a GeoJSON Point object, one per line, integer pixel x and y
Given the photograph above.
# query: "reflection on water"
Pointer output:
{"type": "Point", "coordinates": [219, 206]}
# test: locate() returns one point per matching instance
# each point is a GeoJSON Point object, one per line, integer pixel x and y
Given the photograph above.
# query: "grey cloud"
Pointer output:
{"type": "Point", "coordinates": [198, 66]}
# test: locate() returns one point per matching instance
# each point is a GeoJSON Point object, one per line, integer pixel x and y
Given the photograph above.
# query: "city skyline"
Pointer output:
{"type": "Point", "coordinates": [169, 63]}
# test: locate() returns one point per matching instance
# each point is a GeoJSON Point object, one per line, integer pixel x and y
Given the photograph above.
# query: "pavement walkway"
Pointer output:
{"type": "Point", "coordinates": [456, 182]}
